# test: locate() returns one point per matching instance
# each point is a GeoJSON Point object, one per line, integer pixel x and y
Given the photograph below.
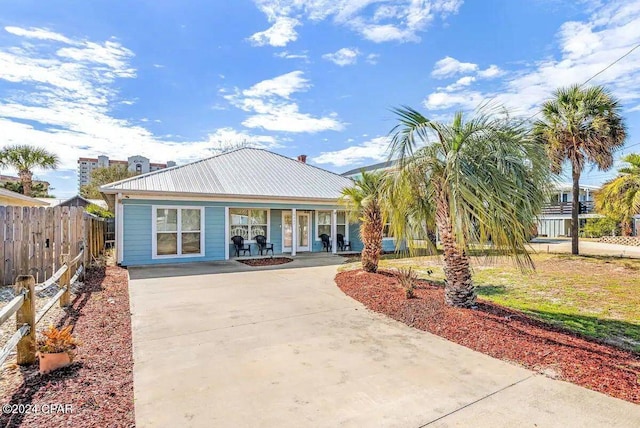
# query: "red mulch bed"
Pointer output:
{"type": "Point", "coordinates": [99, 383]}
{"type": "Point", "coordinates": [502, 333]}
{"type": "Point", "coordinates": [266, 262]}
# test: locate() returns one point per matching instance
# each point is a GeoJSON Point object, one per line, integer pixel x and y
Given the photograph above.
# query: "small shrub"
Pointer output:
{"type": "Point", "coordinates": [599, 227]}
{"type": "Point", "coordinates": [407, 278]}
{"type": "Point", "coordinates": [55, 341]}
{"type": "Point", "coordinates": [99, 211]}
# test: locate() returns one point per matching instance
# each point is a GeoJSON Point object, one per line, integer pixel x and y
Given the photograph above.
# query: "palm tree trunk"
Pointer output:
{"type": "Point", "coordinates": [459, 290]}
{"type": "Point", "coordinates": [575, 211]}
{"type": "Point", "coordinates": [371, 236]}
{"type": "Point", "coordinates": [26, 179]}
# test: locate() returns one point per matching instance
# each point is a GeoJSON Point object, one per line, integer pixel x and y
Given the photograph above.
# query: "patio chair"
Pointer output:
{"type": "Point", "coordinates": [326, 242]}
{"type": "Point", "coordinates": [342, 244]}
{"type": "Point", "coordinates": [263, 245]}
{"type": "Point", "coordinates": [239, 245]}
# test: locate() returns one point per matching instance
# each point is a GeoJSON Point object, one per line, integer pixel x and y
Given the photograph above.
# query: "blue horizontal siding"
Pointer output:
{"type": "Point", "coordinates": [138, 236]}
{"type": "Point", "coordinates": [138, 230]}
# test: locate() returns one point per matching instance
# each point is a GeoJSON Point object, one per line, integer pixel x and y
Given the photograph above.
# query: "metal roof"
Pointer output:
{"type": "Point", "coordinates": [374, 167]}
{"type": "Point", "coordinates": [241, 172]}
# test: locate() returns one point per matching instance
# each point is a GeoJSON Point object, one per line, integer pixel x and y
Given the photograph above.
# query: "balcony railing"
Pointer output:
{"type": "Point", "coordinates": [564, 208]}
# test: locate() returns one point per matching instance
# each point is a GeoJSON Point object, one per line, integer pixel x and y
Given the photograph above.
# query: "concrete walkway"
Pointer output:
{"type": "Point", "coordinates": [285, 348]}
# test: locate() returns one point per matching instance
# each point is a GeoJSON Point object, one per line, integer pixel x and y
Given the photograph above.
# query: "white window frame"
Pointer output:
{"type": "Point", "coordinates": [154, 231]}
{"type": "Point", "coordinates": [346, 224]}
{"type": "Point", "coordinates": [250, 241]}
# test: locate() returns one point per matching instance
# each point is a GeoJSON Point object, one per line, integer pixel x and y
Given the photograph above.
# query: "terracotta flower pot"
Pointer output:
{"type": "Point", "coordinates": [51, 362]}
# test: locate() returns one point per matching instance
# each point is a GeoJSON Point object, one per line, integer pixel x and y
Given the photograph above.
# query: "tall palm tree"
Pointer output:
{"type": "Point", "coordinates": [364, 203]}
{"type": "Point", "coordinates": [481, 181]}
{"type": "Point", "coordinates": [24, 159]}
{"type": "Point", "coordinates": [583, 126]}
{"type": "Point", "coordinates": [620, 198]}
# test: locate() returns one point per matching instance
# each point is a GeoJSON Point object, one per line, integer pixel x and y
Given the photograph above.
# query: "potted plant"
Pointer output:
{"type": "Point", "coordinates": [55, 349]}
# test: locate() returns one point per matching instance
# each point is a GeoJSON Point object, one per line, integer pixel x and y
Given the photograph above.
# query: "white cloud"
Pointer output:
{"type": "Point", "coordinates": [375, 20]}
{"type": "Point", "coordinates": [279, 34]}
{"type": "Point", "coordinates": [469, 100]}
{"type": "Point", "coordinates": [342, 57]}
{"type": "Point", "coordinates": [491, 72]}
{"type": "Point", "coordinates": [372, 58]}
{"type": "Point", "coordinates": [374, 150]}
{"type": "Point", "coordinates": [38, 33]}
{"type": "Point", "coordinates": [224, 138]}
{"type": "Point", "coordinates": [585, 48]}
{"type": "Point", "coordinates": [448, 66]}
{"type": "Point", "coordinates": [62, 97]}
{"type": "Point", "coordinates": [281, 86]}
{"type": "Point", "coordinates": [272, 108]}
{"type": "Point", "coordinates": [290, 55]}
{"type": "Point", "coordinates": [462, 82]}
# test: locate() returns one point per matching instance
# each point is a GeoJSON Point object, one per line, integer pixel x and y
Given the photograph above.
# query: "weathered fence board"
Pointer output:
{"type": "Point", "coordinates": [33, 240]}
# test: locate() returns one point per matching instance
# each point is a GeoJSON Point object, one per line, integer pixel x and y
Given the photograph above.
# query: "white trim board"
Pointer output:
{"type": "Point", "coordinates": [230, 199]}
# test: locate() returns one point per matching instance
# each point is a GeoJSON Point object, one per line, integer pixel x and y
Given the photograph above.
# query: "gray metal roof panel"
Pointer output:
{"type": "Point", "coordinates": [241, 172]}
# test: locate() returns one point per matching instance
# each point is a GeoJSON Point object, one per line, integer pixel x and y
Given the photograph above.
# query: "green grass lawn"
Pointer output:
{"type": "Point", "coordinates": [598, 297]}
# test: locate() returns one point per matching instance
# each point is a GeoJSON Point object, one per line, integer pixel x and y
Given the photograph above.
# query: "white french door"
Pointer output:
{"type": "Point", "coordinates": [303, 232]}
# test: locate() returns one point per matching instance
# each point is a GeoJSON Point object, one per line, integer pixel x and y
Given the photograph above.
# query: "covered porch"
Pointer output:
{"type": "Point", "coordinates": [289, 231]}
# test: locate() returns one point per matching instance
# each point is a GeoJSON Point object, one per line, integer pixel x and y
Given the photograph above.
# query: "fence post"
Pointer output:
{"type": "Point", "coordinates": [65, 299]}
{"type": "Point", "coordinates": [27, 315]}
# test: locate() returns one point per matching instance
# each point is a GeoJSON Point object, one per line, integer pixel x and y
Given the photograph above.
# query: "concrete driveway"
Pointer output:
{"type": "Point", "coordinates": [285, 348]}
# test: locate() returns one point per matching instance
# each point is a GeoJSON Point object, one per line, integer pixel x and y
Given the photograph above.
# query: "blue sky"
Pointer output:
{"type": "Point", "coordinates": [175, 80]}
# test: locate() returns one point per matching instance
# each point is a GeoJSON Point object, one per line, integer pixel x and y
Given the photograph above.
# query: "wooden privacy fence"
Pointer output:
{"type": "Point", "coordinates": [24, 306]}
{"type": "Point", "coordinates": [35, 238]}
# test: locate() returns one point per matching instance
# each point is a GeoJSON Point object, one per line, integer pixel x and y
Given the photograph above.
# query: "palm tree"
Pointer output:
{"type": "Point", "coordinates": [364, 203]}
{"type": "Point", "coordinates": [620, 198]}
{"type": "Point", "coordinates": [481, 181]}
{"type": "Point", "coordinates": [24, 159]}
{"type": "Point", "coordinates": [583, 126]}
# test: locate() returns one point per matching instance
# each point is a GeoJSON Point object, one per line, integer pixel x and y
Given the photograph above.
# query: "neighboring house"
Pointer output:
{"type": "Point", "coordinates": [75, 201]}
{"type": "Point", "coordinates": [357, 172]}
{"type": "Point", "coordinates": [9, 198]}
{"type": "Point", "coordinates": [136, 163]}
{"type": "Point", "coordinates": [555, 220]}
{"type": "Point", "coordinates": [190, 213]}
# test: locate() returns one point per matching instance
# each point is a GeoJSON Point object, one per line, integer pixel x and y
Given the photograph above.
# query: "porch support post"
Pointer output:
{"type": "Point", "coordinates": [334, 231]}
{"type": "Point", "coordinates": [294, 231]}
{"type": "Point", "coordinates": [226, 233]}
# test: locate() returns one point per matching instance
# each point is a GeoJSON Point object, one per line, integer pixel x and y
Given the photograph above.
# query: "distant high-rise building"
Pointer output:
{"type": "Point", "coordinates": [136, 163]}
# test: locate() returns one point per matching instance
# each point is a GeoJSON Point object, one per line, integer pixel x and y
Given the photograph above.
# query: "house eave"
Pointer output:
{"type": "Point", "coordinates": [147, 194]}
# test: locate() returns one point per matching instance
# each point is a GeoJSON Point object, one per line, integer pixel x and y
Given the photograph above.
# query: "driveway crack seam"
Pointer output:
{"type": "Point", "coordinates": [477, 401]}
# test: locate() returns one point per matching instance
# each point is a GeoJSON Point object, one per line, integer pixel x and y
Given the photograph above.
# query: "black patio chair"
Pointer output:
{"type": "Point", "coordinates": [326, 242]}
{"type": "Point", "coordinates": [342, 244]}
{"type": "Point", "coordinates": [263, 245]}
{"type": "Point", "coordinates": [239, 245]}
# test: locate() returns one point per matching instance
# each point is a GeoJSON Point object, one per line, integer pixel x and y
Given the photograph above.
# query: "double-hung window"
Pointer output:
{"type": "Point", "coordinates": [178, 231]}
{"type": "Point", "coordinates": [248, 223]}
{"type": "Point", "coordinates": [324, 224]}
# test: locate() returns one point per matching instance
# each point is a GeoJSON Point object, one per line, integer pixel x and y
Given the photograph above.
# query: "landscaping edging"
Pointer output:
{"type": "Point", "coordinates": [501, 333]}
{"type": "Point", "coordinates": [97, 387]}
